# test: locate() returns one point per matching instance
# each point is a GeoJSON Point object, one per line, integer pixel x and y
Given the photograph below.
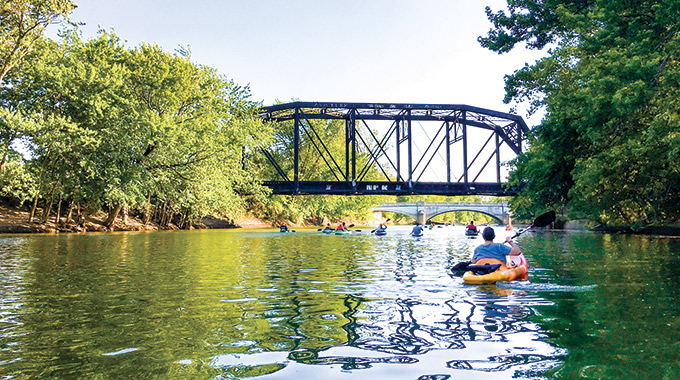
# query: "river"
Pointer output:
{"type": "Point", "coordinates": [220, 304]}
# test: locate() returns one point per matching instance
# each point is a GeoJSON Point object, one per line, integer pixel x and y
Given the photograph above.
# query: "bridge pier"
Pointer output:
{"type": "Point", "coordinates": [422, 218]}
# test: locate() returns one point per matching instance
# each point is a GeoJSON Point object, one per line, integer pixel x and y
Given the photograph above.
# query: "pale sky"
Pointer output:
{"type": "Point", "coordinates": [374, 51]}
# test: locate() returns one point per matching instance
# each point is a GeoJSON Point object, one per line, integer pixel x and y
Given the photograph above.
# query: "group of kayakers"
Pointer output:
{"type": "Point", "coordinates": [341, 227]}
{"type": "Point", "coordinates": [490, 261]}
{"type": "Point", "coordinates": [470, 229]}
{"type": "Point", "coordinates": [486, 253]}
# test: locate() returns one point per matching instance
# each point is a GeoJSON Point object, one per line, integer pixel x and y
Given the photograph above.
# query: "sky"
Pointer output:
{"type": "Point", "coordinates": [377, 51]}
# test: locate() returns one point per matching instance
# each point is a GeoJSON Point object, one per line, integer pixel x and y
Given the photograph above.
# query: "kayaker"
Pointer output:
{"type": "Point", "coordinates": [328, 228]}
{"type": "Point", "coordinates": [341, 227]}
{"type": "Point", "coordinates": [494, 251]}
{"type": "Point", "coordinates": [283, 227]}
{"type": "Point", "coordinates": [471, 226]}
{"type": "Point", "coordinates": [417, 229]}
{"type": "Point", "coordinates": [381, 228]}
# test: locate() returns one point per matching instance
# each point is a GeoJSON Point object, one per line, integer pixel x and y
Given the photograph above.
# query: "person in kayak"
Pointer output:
{"type": "Point", "coordinates": [283, 227]}
{"type": "Point", "coordinates": [490, 251]}
{"type": "Point", "coordinates": [328, 228]}
{"type": "Point", "coordinates": [471, 226]}
{"type": "Point", "coordinates": [341, 227]}
{"type": "Point", "coordinates": [417, 230]}
{"type": "Point", "coordinates": [381, 228]}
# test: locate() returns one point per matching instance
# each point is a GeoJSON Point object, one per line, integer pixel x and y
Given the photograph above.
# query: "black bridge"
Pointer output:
{"type": "Point", "coordinates": [380, 151]}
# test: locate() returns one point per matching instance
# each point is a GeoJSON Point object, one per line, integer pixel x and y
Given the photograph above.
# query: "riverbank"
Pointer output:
{"type": "Point", "coordinates": [15, 220]}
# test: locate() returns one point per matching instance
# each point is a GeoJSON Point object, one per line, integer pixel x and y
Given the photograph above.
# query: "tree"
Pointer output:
{"type": "Point", "coordinates": [23, 23]}
{"type": "Point", "coordinates": [608, 144]}
{"type": "Point", "coordinates": [122, 128]}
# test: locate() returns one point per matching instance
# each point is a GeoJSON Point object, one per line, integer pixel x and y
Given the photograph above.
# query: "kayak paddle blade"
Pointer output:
{"type": "Point", "coordinates": [545, 219]}
{"type": "Point", "coordinates": [542, 221]}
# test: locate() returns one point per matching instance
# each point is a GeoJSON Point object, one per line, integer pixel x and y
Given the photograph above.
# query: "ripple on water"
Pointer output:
{"type": "Point", "coordinates": [528, 286]}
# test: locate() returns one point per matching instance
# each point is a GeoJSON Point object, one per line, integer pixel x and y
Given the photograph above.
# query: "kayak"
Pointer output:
{"type": "Point", "coordinates": [381, 232]}
{"type": "Point", "coordinates": [342, 232]}
{"type": "Point", "coordinates": [471, 232]}
{"type": "Point", "coordinates": [327, 232]}
{"type": "Point", "coordinates": [517, 271]}
{"type": "Point", "coordinates": [417, 235]}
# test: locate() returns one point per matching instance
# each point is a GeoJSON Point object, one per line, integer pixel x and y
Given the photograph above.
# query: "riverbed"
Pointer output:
{"type": "Point", "coordinates": [214, 304]}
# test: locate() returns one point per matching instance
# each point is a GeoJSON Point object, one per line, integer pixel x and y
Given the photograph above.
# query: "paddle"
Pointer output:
{"type": "Point", "coordinates": [352, 225]}
{"type": "Point", "coordinates": [385, 222]}
{"type": "Point", "coordinates": [541, 221]}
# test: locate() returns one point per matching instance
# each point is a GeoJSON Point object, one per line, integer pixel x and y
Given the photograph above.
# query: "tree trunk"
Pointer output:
{"type": "Point", "coordinates": [163, 214]}
{"type": "Point", "coordinates": [46, 212]}
{"type": "Point", "coordinates": [58, 218]}
{"type": "Point", "coordinates": [147, 208]}
{"type": "Point", "coordinates": [125, 215]}
{"type": "Point", "coordinates": [113, 214]}
{"type": "Point", "coordinates": [35, 205]}
{"type": "Point", "coordinates": [79, 216]}
{"type": "Point", "coordinates": [69, 214]}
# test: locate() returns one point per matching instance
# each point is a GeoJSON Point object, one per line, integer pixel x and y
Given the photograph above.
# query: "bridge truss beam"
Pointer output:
{"type": "Point", "coordinates": [392, 152]}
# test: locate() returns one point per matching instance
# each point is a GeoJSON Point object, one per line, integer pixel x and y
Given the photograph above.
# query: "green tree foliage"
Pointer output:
{"type": "Point", "coordinates": [134, 128]}
{"type": "Point", "coordinates": [23, 23]}
{"type": "Point", "coordinates": [608, 146]}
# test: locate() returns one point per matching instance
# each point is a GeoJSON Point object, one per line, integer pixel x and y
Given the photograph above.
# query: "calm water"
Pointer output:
{"type": "Point", "coordinates": [222, 304]}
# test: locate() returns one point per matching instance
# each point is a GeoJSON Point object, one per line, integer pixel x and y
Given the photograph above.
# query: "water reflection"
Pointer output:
{"type": "Point", "coordinates": [238, 304]}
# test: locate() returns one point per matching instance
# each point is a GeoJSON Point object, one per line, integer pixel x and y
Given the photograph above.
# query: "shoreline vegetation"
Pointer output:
{"type": "Point", "coordinates": [15, 220]}
{"type": "Point", "coordinates": [15, 216]}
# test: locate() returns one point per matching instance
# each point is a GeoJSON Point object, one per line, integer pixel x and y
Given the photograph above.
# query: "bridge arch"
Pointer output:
{"type": "Point", "coordinates": [423, 212]}
{"type": "Point", "coordinates": [495, 217]}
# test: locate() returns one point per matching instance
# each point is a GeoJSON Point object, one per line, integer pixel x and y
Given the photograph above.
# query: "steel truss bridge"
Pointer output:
{"type": "Point", "coordinates": [380, 138]}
